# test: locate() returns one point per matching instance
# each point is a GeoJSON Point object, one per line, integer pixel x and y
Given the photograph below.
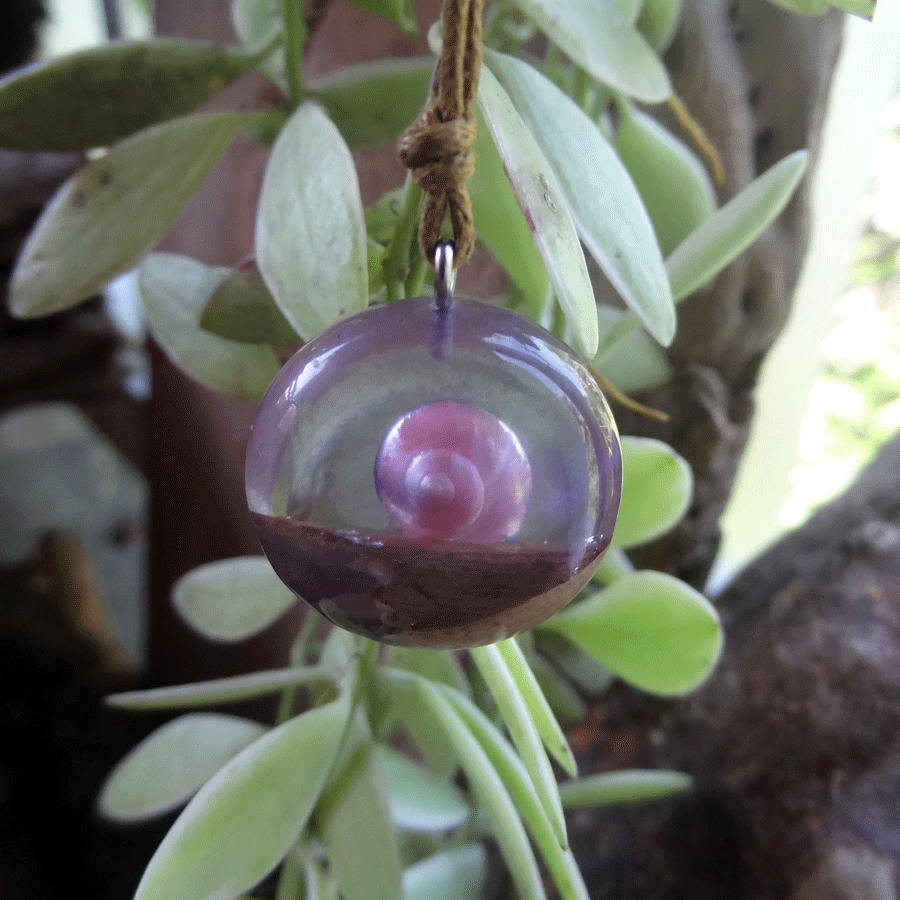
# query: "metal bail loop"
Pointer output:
{"type": "Point", "coordinates": [444, 275]}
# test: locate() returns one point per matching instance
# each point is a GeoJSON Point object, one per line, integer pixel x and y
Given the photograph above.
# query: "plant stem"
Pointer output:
{"type": "Point", "coordinates": [581, 89]}
{"type": "Point", "coordinates": [397, 258]}
{"type": "Point", "coordinates": [295, 39]}
{"type": "Point", "coordinates": [290, 879]}
{"type": "Point", "coordinates": [286, 705]}
{"type": "Point", "coordinates": [300, 647]}
{"type": "Point", "coordinates": [417, 273]}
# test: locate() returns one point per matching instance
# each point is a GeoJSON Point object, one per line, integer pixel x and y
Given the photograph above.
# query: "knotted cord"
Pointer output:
{"type": "Point", "coordinates": [437, 147]}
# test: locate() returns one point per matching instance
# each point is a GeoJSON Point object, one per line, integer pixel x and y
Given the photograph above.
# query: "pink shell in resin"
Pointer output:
{"type": "Point", "coordinates": [447, 470]}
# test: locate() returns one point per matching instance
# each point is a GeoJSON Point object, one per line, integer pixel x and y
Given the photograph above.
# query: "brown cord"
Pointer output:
{"type": "Point", "coordinates": [437, 147]}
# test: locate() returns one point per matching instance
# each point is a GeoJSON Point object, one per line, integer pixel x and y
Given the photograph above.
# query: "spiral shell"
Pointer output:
{"type": "Point", "coordinates": [447, 470]}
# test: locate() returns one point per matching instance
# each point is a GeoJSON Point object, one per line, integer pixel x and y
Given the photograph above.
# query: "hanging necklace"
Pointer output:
{"type": "Point", "coordinates": [436, 471]}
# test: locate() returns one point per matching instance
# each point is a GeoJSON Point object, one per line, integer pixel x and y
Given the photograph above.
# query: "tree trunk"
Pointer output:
{"type": "Point", "coordinates": [794, 743]}
{"type": "Point", "coordinates": [756, 78]}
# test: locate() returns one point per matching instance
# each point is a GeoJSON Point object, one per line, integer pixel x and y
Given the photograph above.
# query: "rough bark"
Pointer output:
{"type": "Point", "coordinates": [756, 78]}
{"type": "Point", "coordinates": [794, 744]}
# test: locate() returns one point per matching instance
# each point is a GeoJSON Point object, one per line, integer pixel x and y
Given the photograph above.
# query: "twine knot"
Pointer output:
{"type": "Point", "coordinates": [437, 147]}
{"type": "Point", "coordinates": [440, 157]}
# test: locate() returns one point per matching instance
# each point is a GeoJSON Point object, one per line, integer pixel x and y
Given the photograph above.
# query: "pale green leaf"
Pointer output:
{"type": "Point", "coordinates": [500, 223]}
{"type": "Point", "coordinates": [174, 290]}
{"type": "Point", "coordinates": [435, 665]}
{"type": "Point", "coordinates": [541, 200]}
{"type": "Point", "coordinates": [734, 227]}
{"type": "Point", "coordinates": [458, 874]}
{"type": "Point", "coordinates": [605, 205]}
{"type": "Point", "coordinates": [538, 708]}
{"type": "Point", "coordinates": [503, 758]}
{"type": "Point", "coordinates": [630, 8]}
{"type": "Point", "coordinates": [633, 363]}
{"type": "Point", "coordinates": [240, 824]}
{"type": "Point", "coordinates": [232, 599]}
{"type": "Point", "coordinates": [658, 21]}
{"type": "Point", "coordinates": [373, 103]}
{"type": "Point", "coordinates": [495, 671]}
{"type": "Point", "coordinates": [430, 742]}
{"type": "Point", "coordinates": [863, 8]}
{"type": "Point", "coordinates": [400, 11]}
{"type": "Point", "coordinates": [488, 788]}
{"type": "Point", "coordinates": [657, 487]}
{"type": "Point", "coordinates": [597, 35]}
{"type": "Point", "coordinates": [614, 565]}
{"type": "Point", "coordinates": [623, 786]}
{"type": "Point", "coordinates": [420, 800]}
{"type": "Point", "coordinates": [96, 97]}
{"type": "Point", "coordinates": [353, 821]}
{"type": "Point", "coordinates": [168, 767]}
{"type": "Point", "coordinates": [105, 218]}
{"type": "Point", "coordinates": [241, 308]}
{"type": "Point", "coordinates": [582, 669]}
{"type": "Point", "coordinates": [806, 7]}
{"type": "Point", "coordinates": [310, 235]}
{"type": "Point", "coordinates": [673, 183]}
{"type": "Point", "coordinates": [650, 629]}
{"type": "Point", "coordinates": [219, 690]}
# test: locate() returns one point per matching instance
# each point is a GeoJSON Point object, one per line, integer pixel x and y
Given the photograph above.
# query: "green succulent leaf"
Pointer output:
{"type": "Point", "coordinates": [168, 767]}
{"type": "Point", "coordinates": [219, 690]}
{"type": "Point", "coordinates": [614, 565]}
{"type": "Point", "coordinates": [658, 21]}
{"type": "Point", "coordinates": [605, 205]}
{"type": "Point", "coordinates": [174, 290]}
{"type": "Point", "coordinates": [500, 223]}
{"type": "Point", "coordinates": [436, 665]}
{"type": "Point", "coordinates": [583, 670]}
{"type": "Point", "coordinates": [496, 673]}
{"type": "Point", "coordinates": [630, 8]}
{"type": "Point", "coordinates": [354, 824]}
{"type": "Point", "coordinates": [863, 8]}
{"type": "Point", "coordinates": [96, 97]}
{"type": "Point", "coordinates": [805, 7]}
{"type": "Point", "coordinates": [734, 227]}
{"type": "Point", "coordinates": [561, 863]}
{"type": "Point", "coordinates": [489, 789]}
{"type": "Point", "coordinates": [541, 200]}
{"type": "Point", "coordinates": [538, 708]}
{"type": "Point", "coordinates": [657, 161]}
{"type": "Point", "coordinates": [564, 700]}
{"type": "Point", "coordinates": [232, 599]}
{"type": "Point", "coordinates": [420, 800]}
{"type": "Point", "coordinates": [634, 362]}
{"type": "Point", "coordinates": [418, 726]}
{"type": "Point", "coordinates": [373, 103]}
{"type": "Point", "coordinates": [241, 823]}
{"type": "Point", "coordinates": [105, 218]}
{"type": "Point", "coordinates": [650, 629]}
{"type": "Point", "coordinates": [657, 486]}
{"type": "Point", "coordinates": [597, 35]}
{"type": "Point", "coordinates": [310, 234]}
{"type": "Point", "coordinates": [459, 874]}
{"type": "Point", "coordinates": [399, 11]}
{"type": "Point", "coordinates": [623, 786]}
{"type": "Point", "coordinates": [241, 308]}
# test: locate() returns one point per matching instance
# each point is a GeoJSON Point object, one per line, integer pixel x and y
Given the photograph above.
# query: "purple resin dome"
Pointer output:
{"type": "Point", "coordinates": [443, 499]}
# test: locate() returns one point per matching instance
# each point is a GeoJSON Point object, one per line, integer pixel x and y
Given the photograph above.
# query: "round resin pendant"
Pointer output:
{"type": "Point", "coordinates": [434, 477]}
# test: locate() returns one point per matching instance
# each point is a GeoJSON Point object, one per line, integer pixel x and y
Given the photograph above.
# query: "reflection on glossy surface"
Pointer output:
{"type": "Point", "coordinates": [434, 501]}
